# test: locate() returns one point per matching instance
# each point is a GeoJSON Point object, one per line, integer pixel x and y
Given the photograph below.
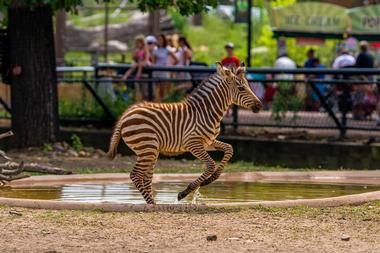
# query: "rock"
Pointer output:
{"type": "Point", "coordinates": [89, 149]}
{"type": "Point", "coordinates": [345, 238]}
{"type": "Point", "coordinates": [82, 153]}
{"type": "Point", "coordinates": [234, 238]}
{"type": "Point", "coordinates": [58, 147]}
{"type": "Point", "coordinates": [65, 145]}
{"type": "Point", "coordinates": [14, 212]}
{"type": "Point", "coordinates": [72, 152]}
{"type": "Point", "coordinates": [211, 238]}
{"type": "Point", "coordinates": [100, 152]}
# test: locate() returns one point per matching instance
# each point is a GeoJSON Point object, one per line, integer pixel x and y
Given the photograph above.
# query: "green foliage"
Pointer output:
{"type": "Point", "coordinates": [86, 18]}
{"type": "Point", "coordinates": [76, 142]}
{"type": "Point", "coordinates": [68, 5]}
{"type": "Point", "coordinates": [184, 7]}
{"type": "Point", "coordinates": [80, 58]}
{"type": "Point", "coordinates": [78, 109]}
{"type": "Point", "coordinates": [47, 147]}
{"type": "Point", "coordinates": [88, 108]}
{"type": "Point", "coordinates": [209, 39]}
{"type": "Point", "coordinates": [286, 100]}
{"type": "Point", "coordinates": [179, 21]}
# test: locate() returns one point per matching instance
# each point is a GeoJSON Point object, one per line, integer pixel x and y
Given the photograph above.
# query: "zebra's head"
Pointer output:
{"type": "Point", "coordinates": [242, 95]}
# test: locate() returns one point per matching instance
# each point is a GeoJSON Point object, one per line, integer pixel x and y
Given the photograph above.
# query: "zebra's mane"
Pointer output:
{"type": "Point", "coordinates": [202, 84]}
{"type": "Point", "coordinates": [234, 70]}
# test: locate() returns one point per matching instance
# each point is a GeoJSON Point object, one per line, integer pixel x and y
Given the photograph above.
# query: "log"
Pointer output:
{"type": "Point", "coordinates": [10, 170]}
{"type": "Point", "coordinates": [6, 134]}
{"type": "Point", "coordinates": [34, 167]}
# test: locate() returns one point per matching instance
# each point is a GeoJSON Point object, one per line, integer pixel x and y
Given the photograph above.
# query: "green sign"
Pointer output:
{"type": "Point", "coordinates": [365, 20]}
{"type": "Point", "coordinates": [310, 17]}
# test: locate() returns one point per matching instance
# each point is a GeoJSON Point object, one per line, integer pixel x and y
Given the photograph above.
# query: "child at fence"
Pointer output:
{"type": "Point", "coordinates": [140, 58]}
{"type": "Point", "coordinates": [161, 57]}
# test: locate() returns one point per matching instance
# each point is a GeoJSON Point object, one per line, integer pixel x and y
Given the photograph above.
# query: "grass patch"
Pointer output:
{"type": "Point", "coordinates": [367, 212]}
{"type": "Point", "coordinates": [187, 167]}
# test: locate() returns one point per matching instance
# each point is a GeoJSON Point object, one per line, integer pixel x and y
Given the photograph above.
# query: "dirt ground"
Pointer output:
{"type": "Point", "coordinates": [237, 230]}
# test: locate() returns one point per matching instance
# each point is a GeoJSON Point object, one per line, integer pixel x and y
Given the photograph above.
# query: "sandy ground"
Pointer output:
{"type": "Point", "coordinates": [237, 230]}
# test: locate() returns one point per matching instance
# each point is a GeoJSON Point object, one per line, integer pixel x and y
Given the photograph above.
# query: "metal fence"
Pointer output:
{"type": "Point", "coordinates": [293, 98]}
{"type": "Point", "coordinates": [340, 99]}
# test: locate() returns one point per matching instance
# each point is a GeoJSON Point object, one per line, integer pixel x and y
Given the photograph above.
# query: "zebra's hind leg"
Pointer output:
{"type": "Point", "coordinates": [148, 185]}
{"type": "Point", "coordinates": [197, 149]}
{"type": "Point", "coordinates": [228, 152]}
{"type": "Point", "coordinates": [142, 174]}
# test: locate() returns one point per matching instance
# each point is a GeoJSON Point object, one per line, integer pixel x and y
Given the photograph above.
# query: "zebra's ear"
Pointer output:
{"type": "Point", "coordinates": [241, 71]}
{"type": "Point", "coordinates": [223, 71]}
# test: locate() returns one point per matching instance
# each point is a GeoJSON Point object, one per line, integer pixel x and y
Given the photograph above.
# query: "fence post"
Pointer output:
{"type": "Point", "coordinates": [342, 129]}
{"type": "Point", "coordinates": [235, 118]}
{"type": "Point", "coordinates": [99, 100]}
{"type": "Point", "coordinates": [346, 106]}
{"type": "Point", "coordinates": [150, 86]}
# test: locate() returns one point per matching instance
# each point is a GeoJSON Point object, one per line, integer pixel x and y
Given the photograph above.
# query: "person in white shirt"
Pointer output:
{"type": "Point", "coordinates": [343, 91]}
{"type": "Point", "coordinates": [345, 59]}
{"type": "Point", "coordinates": [284, 62]}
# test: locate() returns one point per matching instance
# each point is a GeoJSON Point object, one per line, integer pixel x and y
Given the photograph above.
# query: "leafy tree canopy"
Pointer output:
{"type": "Point", "coordinates": [185, 7]}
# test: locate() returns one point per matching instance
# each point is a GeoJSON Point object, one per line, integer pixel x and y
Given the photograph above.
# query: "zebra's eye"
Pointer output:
{"type": "Point", "coordinates": [240, 88]}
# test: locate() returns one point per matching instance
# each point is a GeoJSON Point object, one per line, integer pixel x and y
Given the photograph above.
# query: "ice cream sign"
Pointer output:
{"type": "Point", "coordinates": [365, 19]}
{"type": "Point", "coordinates": [310, 17]}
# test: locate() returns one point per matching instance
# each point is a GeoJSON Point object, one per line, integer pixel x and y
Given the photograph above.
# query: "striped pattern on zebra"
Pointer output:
{"type": "Point", "coordinates": [188, 126]}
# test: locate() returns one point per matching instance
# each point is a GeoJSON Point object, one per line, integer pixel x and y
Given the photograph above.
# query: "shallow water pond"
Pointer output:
{"type": "Point", "coordinates": [166, 192]}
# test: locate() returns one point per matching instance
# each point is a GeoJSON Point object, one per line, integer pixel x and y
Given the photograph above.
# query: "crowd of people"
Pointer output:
{"type": "Point", "coordinates": [165, 50]}
{"type": "Point", "coordinates": [160, 51]}
{"type": "Point", "coordinates": [362, 99]}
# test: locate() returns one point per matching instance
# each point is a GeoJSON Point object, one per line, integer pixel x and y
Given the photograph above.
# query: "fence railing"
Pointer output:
{"type": "Point", "coordinates": [317, 98]}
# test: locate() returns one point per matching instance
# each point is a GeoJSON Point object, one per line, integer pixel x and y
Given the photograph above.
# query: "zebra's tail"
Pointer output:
{"type": "Point", "coordinates": [116, 135]}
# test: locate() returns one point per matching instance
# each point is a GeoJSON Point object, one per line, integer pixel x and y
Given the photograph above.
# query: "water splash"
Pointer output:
{"type": "Point", "coordinates": [196, 196]}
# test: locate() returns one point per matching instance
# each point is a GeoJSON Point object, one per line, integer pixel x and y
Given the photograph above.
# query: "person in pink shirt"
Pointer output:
{"type": "Point", "coordinates": [140, 58]}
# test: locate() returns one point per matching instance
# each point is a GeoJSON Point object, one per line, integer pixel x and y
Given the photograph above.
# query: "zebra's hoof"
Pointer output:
{"type": "Point", "coordinates": [181, 196]}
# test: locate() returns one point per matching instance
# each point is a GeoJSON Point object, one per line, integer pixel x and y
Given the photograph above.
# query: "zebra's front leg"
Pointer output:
{"type": "Point", "coordinates": [228, 152]}
{"type": "Point", "coordinates": [198, 150]}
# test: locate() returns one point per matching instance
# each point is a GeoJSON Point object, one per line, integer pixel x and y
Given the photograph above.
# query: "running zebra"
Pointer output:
{"type": "Point", "coordinates": [188, 126]}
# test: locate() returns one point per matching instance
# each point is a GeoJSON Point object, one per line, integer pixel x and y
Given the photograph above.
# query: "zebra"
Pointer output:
{"type": "Point", "coordinates": [191, 125]}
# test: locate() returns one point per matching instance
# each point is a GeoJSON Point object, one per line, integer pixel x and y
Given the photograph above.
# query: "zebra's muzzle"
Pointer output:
{"type": "Point", "coordinates": [257, 107]}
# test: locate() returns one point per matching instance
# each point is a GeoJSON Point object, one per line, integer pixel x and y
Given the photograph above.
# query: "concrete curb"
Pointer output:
{"type": "Point", "coordinates": [356, 199]}
{"type": "Point", "coordinates": [367, 177]}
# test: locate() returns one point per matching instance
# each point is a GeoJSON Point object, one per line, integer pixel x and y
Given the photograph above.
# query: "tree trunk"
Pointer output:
{"type": "Point", "coordinates": [33, 75]}
{"type": "Point", "coordinates": [60, 32]}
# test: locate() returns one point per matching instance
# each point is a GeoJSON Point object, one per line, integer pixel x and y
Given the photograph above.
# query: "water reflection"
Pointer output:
{"type": "Point", "coordinates": [166, 192]}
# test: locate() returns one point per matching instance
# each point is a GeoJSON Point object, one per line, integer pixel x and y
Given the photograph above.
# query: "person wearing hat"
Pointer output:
{"type": "Point", "coordinates": [230, 60]}
{"type": "Point", "coordinates": [151, 41]}
{"type": "Point", "coordinates": [344, 59]}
